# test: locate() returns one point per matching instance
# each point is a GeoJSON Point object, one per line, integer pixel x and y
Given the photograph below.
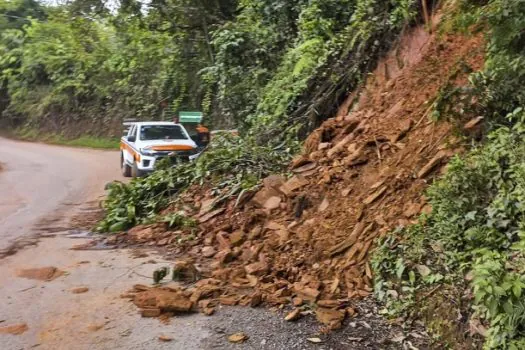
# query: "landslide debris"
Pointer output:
{"type": "Point", "coordinates": [306, 239]}
{"type": "Point", "coordinates": [238, 338]}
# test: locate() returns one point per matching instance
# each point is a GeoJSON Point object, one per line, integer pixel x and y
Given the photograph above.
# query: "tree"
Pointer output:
{"type": "Point", "coordinates": [14, 14]}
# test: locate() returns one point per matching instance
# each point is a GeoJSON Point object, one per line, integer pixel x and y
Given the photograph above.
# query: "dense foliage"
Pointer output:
{"type": "Point", "coordinates": [83, 67]}
{"type": "Point", "coordinates": [269, 66]}
{"type": "Point", "coordinates": [474, 236]}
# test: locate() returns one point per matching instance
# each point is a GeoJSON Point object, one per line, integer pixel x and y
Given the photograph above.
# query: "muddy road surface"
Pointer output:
{"type": "Point", "coordinates": [42, 185]}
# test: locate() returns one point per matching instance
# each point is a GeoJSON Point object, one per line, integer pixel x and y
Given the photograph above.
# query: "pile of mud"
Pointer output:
{"type": "Point", "coordinates": [47, 274]}
{"type": "Point", "coordinates": [307, 239]}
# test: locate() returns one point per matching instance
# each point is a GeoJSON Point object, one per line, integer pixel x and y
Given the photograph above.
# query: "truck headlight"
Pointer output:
{"type": "Point", "coordinates": [147, 152]}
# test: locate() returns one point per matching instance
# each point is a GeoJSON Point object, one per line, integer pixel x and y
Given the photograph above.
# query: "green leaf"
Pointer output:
{"type": "Point", "coordinates": [471, 215]}
{"type": "Point", "coordinates": [507, 306]}
{"type": "Point", "coordinates": [412, 277]}
{"type": "Point", "coordinates": [400, 268]}
{"type": "Point", "coordinates": [117, 227]}
{"type": "Point", "coordinates": [516, 289]}
{"type": "Point", "coordinates": [499, 290]}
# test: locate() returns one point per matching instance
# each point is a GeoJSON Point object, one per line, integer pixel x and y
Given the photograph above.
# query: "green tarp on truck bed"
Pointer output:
{"type": "Point", "coordinates": [190, 117]}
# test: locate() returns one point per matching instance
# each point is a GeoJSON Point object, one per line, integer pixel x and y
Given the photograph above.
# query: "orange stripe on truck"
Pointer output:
{"type": "Point", "coordinates": [172, 148]}
{"type": "Point", "coordinates": [136, 155]}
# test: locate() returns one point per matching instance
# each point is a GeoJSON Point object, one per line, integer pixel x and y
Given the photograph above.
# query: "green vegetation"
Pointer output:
{"type": "Point", "coordinates": [79, 68]}
{"type": "Point", "coordinates": [473, 242]}
{"type": "Point", "coordinates": [89, 142]}
{"type": "Point", "coordinates": [273, 68]}
{"type": "Point", "coordinates": [29, 134]}
{"type": "Point", "coordinates": [270, 67]}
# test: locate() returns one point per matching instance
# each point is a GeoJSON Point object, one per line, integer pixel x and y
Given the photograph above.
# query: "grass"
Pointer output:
{"type": "Point", "coordinates": [84, 141]}
{"type": "Point", "coordinates": [90, 142]}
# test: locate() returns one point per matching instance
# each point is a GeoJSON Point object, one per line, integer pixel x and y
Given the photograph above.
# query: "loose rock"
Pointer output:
{"type": "Point", "coordinates": [473, 123]}
{"type": "Point", "coordinates": [294, 315]}
{"type": "Point", "coordinates": [294, 184]}
{"type": "Point", "coordinates": [165, 338]}
{"type": "Point", "coordinates": [272, 203]}
{"type": "Point", "coordinates": [208, 252]}
{"type": "Point", "coordinates": [329, 317]}
{"type": "Point", "coordinates": [438, 158]}
{"type": "Point", "coordinates": [315, 340]}
{"type": "Point", "coordinates": [238, 338]}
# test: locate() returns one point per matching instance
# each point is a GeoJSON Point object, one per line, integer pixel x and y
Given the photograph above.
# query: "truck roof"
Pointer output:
{"type": "Point", "coordinates": [153, 123]}
{"type": "Point", "coordinates": [128, 125]}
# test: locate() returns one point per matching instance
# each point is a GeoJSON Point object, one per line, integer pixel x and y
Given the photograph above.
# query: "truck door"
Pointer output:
{"type": "Point", "coordinates": [129, 154]}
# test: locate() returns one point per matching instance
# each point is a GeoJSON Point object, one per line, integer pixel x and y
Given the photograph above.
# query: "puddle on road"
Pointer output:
{"type": "Point", "coordinates": [80, 234]}
{"type": "Point", "coordinates": [94, 245]}
{"type": "Point", "coordinates": [97, 242]}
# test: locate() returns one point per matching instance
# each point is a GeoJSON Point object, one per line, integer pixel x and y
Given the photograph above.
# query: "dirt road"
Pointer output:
{"type": "Point", "coordinates": [41, 188]}
{"type": "Point", "coordinates": [41, 185]}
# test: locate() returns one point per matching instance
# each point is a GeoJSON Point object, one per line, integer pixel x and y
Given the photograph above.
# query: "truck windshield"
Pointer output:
{"type": "Point", "coordinates": [162, 132]}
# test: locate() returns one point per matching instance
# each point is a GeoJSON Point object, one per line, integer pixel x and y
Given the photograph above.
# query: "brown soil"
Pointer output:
{"type": "Point", "coordinates": [90, 215]}
{"type": "Point", "coordinates": [42, 274]}
{"type": "Point", "coordinates": [15, 329]}
{"type": "Point", "coordinates": [87, 217]}
{"type": "Point", "coordinates": [362, 174]}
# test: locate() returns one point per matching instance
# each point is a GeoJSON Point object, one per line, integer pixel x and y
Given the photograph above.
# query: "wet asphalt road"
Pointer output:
{"type": "Point", "coordinates": [42, 184]}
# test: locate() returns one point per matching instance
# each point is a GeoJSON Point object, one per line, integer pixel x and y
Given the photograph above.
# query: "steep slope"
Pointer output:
{"type": "Point", "coordinates": [361, 174]}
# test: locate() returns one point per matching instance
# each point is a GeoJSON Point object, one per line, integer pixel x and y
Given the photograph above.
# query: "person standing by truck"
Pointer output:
{"type": "Point", "coordinates": [203, 136]}
{"type": "Point", "coordinates": [192, 121]}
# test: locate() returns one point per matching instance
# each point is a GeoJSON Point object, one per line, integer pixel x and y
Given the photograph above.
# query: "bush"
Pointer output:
{"type": "Point", "coordinates": [232, 164]}
{"type": "Point", "coordinates": [476, 228]}
{"type": "Point", "coordinates": [474, 238]}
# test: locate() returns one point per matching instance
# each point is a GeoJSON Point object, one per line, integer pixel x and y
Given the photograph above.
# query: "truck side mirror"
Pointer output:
{"type": "Point", "coordinates": [132, 138]}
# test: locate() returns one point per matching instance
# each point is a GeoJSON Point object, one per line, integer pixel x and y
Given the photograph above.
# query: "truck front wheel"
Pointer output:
{"type": "Point", "coordinates": [126, 169]}
{"type": "Point", "coordinates": [135, 172]}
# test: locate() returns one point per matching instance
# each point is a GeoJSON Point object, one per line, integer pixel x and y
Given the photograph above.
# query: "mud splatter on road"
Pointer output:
{"type": "Point", "coordinates": [15, 329]}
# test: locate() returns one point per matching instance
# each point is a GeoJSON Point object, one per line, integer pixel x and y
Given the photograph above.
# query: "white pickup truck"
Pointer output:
{"type": "Point", "coordinates": [145, 143]}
